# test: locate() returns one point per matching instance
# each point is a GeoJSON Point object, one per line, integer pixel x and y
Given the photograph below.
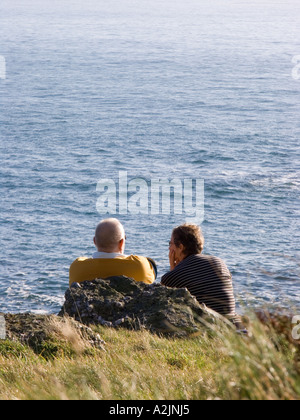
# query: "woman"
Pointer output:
{"type": "Point", "coordinates": [206, 277]}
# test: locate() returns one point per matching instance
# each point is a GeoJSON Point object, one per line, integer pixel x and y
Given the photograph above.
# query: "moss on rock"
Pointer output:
{"type": "Point", "coordinates": [121, 301]}
{"type": "Point", "coordinates": [48, 335]}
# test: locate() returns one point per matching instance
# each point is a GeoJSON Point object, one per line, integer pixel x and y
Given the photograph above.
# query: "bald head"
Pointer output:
{"type": "Point", "coordinates": [110, 236]}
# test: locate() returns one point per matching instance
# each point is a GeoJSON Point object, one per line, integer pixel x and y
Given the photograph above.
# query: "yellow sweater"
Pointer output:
{"type": "Point", "coordinates": [87, 269]}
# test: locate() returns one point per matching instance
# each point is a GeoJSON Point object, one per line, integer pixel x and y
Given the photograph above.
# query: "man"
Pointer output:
{"type": "Point", "coordinates": [109, 260]}
{"type": "Point", "coordinates": [206, 277]}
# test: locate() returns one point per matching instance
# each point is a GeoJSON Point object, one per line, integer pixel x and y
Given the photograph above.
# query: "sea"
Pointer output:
{"type": "Point", "coordinates": [173, 89]}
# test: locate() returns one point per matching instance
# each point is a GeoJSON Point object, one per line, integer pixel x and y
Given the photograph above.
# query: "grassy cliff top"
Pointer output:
{"type": "Point", "coordinates": [141, 365]}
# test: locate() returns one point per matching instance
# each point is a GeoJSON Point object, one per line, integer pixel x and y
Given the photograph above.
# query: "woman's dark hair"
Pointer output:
{"type": "Point", "coordinates": [191, 237]}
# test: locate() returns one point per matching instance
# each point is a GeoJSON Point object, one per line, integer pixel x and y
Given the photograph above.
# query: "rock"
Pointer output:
{"type": "Point", "coordinates": [49, 333]}
{"type": "Point", "coordinates": [123, 302]}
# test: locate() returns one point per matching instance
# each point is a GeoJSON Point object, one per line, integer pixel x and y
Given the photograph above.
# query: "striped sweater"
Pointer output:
{"type": "Point", "coordinates": [208, 279]}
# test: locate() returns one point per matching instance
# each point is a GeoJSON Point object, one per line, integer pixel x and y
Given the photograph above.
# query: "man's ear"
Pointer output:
{"type": "Point", "coordinates": [95, 241]}
{"type": "Point", "coordinates": [121, 244]}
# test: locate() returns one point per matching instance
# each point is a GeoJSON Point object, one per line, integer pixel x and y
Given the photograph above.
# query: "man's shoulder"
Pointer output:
{"type": "Point", "coordinates": [144, 261]}
{"type": "Point", "coordinates": [136, 258]}
{"type": "Point", "coordinates": [136, 266]}
{"type": "Point", "coordinates": [120, 259]}
{"type": "Point", "coordinates": [81, 260]}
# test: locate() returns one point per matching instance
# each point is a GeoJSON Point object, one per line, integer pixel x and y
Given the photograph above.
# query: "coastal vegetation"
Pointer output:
{"type": "Point", "coordinates": [214, 364]}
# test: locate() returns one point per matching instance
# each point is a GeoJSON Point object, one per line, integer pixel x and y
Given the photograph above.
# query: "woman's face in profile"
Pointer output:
{"type": "Point", "coordinates": [177, 250]}
{"type": "Point", "coordinates": [172, 246]}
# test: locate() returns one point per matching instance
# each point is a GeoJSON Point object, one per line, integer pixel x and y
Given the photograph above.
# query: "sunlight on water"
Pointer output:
{"type": "Point", "coordinates": [188, 90]}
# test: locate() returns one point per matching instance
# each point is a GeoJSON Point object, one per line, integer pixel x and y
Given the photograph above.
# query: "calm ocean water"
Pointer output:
{"type": "Point", "coordinates": [187, 89]}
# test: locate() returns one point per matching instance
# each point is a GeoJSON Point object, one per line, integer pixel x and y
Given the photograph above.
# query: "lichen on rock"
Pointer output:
{"type": "Point", "coordinates": [123, 302]}
{"type": "Point", "coordinates": [49, 334]}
